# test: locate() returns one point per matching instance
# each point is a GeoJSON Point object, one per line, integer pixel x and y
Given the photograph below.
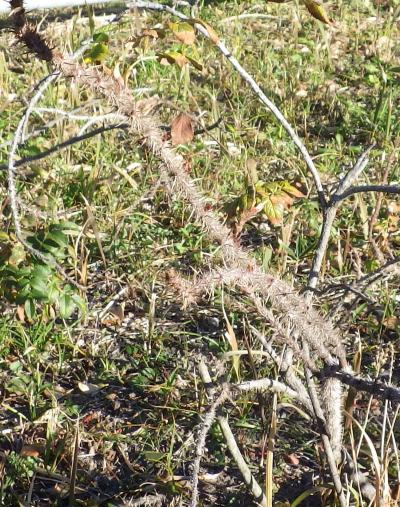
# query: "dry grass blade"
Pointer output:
{"type": "Point", "coordinates": [74, 467]}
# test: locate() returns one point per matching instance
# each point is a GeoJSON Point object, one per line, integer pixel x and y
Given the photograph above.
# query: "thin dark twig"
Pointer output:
{"type": "Point", "coordinates": [389, 268]}
{"type": "Point", "coordinates": [69, 142]}
{"type": "Point", "coordinates": [386, 189]}
{"type": "Point", "coordinates": [77, 139]}
{"type": "Point", "coordinates": [378, 389]}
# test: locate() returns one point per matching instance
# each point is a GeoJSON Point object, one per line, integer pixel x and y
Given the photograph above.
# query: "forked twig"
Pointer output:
{"type": "Point", "coordinates": [201, 441]}
{"type": "Point", "coordinates": [230, 440]}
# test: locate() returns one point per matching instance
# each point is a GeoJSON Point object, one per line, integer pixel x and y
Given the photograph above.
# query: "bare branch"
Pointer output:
{"type": "Point", "coordinates": [69, 142]}
{"type": "Point", "coordinates": [201, 441]}
{"type": "Point", "coordinates": [12, 183]}
{"type": "Point", "coordinates": [354, 172]}
{"type": "Point", "coordinates": [232, 444]}
{"type": "Point", "coordinates": [386, 189]}
{"type": "Point", "coordinates": [329, 215]}
{"type": "Point", "coordinates": [267, 384]}
{"type": "Point", "coordinates": [376, 388]}
{"type": "Point", "coordinates": [54, 4]}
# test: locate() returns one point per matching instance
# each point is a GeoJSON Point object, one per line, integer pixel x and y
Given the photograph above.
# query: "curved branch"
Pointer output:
{"type": "Point", "coordinates": [386, 189]}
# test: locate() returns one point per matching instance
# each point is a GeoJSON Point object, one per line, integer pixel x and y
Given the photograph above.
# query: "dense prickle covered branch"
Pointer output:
{"type": "Point", "coordinates": [27, 34]}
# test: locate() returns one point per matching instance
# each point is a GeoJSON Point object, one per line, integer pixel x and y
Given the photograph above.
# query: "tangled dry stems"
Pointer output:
{"type": "Point", "coordinates": [305, 331]}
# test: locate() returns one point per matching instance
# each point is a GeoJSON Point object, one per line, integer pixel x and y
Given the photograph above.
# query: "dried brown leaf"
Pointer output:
{"type": "Point", "coordinates": [182, 129]}
{"type": "Point", "coordinates": [184, 32]}
{"type": "Point", "coordinates": [212, 34]}
{"type": "Point", "coordinates": [32, 450]}
{"type": "Point", "coordinates": [173, 58]}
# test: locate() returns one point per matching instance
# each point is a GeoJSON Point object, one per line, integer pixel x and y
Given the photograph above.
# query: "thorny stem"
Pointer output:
{"type": "Point", "coordinates": [155, 144]}
{"type": "Point", "coordinates": [325, 438]}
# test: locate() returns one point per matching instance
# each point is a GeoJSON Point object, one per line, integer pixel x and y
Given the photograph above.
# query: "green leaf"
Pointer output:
{"type": "Point", "coordinates": [57, 237]}
{"type": "Point", "coordinates": [291, 189]}
{"type": "Point", "coordinates": [15, 366]}
{"type": "Point", "coordinates": [24, 293]}
{"type": "Point", "coordinates": [53, 294]}
{"type": "Point", "coordinates": [41, 271]}
{"type": "Point", "coordinates": [101, 37]}
{"type": "Point", "coordinates": [274, 213]}
{"type": "Point", "coordinates": [154, 455]}
{"type": "Point", "coordinates": [66, 305]}
{"type": "Point", "coordinates": [29, 308]}
{"type": "Point", "coordinates": [80, 303]}
{"type": "Point", "coordinates": [39, 287]}
{"type": "Point", "coordinates": [67, 227]}
{"type": "Point", "coordinates": [97, 54]}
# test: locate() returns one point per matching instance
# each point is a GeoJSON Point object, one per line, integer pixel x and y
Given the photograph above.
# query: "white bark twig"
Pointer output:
{"type": "Point", "coordinates": [12, 191]}
{"type": "Point", "coordinates": [38, 131]}
{"type": "Point", "coordinates": [286, 369]}
{"type": "Point", "coordinates": [31, 5]}
{"type": "Point", "coordinates": [11, 166]}
{"type": "Point", "coordinates": [70, 115]}
{"type": "Point", "coordinates": [329, 215]}
{"type": "Point", "coordinates": [244, 469]}
{"type": "Point", "coordinates": [331, 422]}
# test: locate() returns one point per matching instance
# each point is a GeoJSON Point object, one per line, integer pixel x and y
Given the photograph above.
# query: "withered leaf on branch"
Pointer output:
{"type": "Point", "coordinates": [173, 58]}
{"type": "Point", "coordinates": [211, 32]}
{"type": "Point", "coordinates": [182, 130]}
{"type": "Point", "coordinates": [184, 32]}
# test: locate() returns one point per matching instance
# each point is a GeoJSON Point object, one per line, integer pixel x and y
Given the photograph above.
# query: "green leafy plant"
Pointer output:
{"type": "Point", "coordinates": [17, 469]}
{"type": "Point", "coordinates": [99, 51]}
{"type": "Point", "coordinates": [34, 285]}
{"type": "Point", "coordinates": [271, 199]}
